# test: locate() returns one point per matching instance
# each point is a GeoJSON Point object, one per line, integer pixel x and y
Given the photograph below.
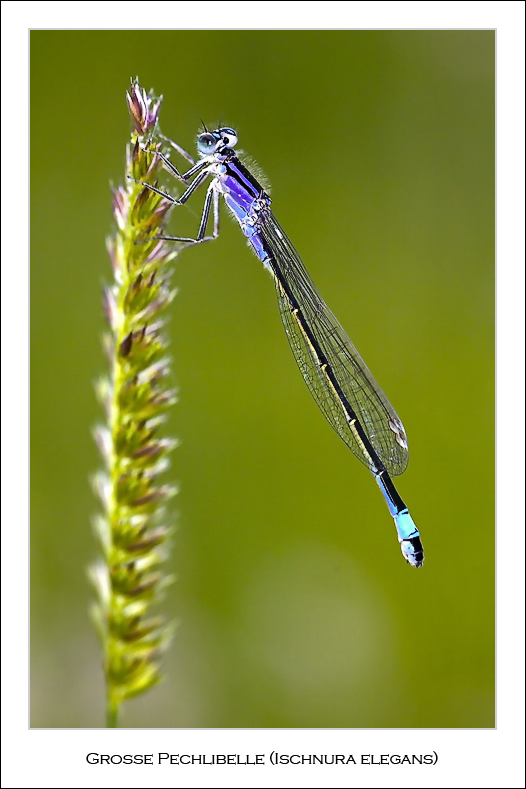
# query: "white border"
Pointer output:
{"type": "Point", "coordinates": [470, 758]}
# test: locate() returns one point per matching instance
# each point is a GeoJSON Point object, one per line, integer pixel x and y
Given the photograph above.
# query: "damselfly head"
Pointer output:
{"type": "Point", "coordinates": [211, 142]}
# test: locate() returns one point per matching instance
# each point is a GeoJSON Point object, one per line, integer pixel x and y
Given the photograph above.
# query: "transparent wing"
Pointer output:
{"type": "Point", "coordinates": [378, 418]}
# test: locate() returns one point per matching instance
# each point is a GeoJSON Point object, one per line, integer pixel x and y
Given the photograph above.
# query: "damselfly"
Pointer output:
{"type": "Point", "coordinates": [332, 368]}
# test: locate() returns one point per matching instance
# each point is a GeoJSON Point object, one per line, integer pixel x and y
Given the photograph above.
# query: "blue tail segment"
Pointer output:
{"type": "Point", "coordinates": [408, 534]}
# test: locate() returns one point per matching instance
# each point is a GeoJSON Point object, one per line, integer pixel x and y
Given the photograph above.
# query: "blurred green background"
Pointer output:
{"type": "Point", "coordinates": [296, 608]}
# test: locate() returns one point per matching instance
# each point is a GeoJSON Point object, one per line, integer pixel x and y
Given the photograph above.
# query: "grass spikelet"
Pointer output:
{"type": "Point", "coordinates": [132, 531]}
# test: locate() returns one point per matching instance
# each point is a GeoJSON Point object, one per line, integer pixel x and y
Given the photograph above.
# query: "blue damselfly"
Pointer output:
{"type": "Point", "coordinates": [332, 368]}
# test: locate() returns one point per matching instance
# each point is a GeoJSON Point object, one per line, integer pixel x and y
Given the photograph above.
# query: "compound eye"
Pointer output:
{"type": "Point", "coordinates": [206, 143]}
{"type": "Point", "coordinates": [228, 137]}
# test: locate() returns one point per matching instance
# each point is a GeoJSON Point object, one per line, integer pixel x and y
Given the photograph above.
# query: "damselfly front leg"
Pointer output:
{"type": "Point", "coordinates": [178, 148]}
{"type": "Point", "coordinates": [170, 166]}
